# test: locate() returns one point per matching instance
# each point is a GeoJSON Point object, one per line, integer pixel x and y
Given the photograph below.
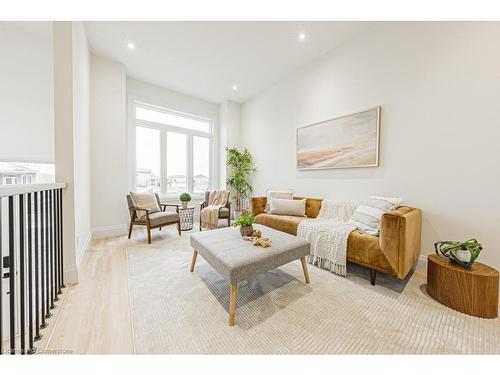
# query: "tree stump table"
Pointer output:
{"type": "Point", "coordinates": [472, 291]}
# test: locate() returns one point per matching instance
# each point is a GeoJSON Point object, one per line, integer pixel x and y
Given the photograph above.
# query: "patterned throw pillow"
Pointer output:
{"type": "Point", "coordinates": [367, 216]}
{"type": "Point", "coordinates": [280, 194]}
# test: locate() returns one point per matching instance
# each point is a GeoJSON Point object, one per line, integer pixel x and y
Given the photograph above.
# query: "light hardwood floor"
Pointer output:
{"type": "Point", "coordinates": [93, 317]}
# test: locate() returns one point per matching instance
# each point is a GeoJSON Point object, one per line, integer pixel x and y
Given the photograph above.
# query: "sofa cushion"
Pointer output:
{"type": "Point", "coordinates": [284, 223]}
{"type": "Point", "coordinates": [292, 207]}
{"type": "Point", "coordinates": [313, 206]}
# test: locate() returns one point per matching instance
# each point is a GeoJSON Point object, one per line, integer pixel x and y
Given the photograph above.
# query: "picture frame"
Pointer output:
{"type": "Point", "coordinates": [348, 141]}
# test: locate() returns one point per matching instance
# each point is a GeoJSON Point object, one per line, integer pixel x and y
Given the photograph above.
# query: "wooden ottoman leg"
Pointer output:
{"type": "Point", "coordinates": [233, 295]}
{"type": "Point", "coordinates": [304, 268]}
{"type": "Point", "coordinates": [193, 260]}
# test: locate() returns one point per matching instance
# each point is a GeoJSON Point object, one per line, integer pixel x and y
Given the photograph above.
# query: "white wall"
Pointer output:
{"type": "Point", "coordinates": [26, 93]}
{"type": "Point", "coordinates": [229, 134]}
{"type": "Point", "coordinates": [71, 120]}
{"type": "Point", "coordinates": [81, 137]}
{"type": "Point", "coordinates": [438, 85]}
{"type": "Point", "coordinates": [108, 146]}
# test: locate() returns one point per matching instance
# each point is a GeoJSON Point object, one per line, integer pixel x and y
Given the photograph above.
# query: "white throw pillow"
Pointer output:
{"type": "Point", "coordinates": [293, 207]}
{"type": "Point", "coordinates": [280, 194]}
{"type": "Point", "coordinates": [368, 214]}
{"type": "Point", "coordinates": [145, 200]}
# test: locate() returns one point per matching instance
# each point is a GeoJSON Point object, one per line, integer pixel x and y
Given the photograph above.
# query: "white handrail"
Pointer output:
{"type": "Point", "coordinates": [9, 190]}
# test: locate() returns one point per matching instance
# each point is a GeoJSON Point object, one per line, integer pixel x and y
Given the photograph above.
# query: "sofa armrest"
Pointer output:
{"type": "Point", "coordinates": [258, 205]}
{"type": "Point", "coordinates": [400, 232]}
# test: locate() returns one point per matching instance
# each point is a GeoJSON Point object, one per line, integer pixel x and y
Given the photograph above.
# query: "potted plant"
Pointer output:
{"type": "Point", "coordinates": [185, 198]}
{"type": "Point", "coordinates": [245, 222]}
{"type": "Point", "coordinates": [240, 167]}
{"type": "Point", "coordinates": [463, 253]}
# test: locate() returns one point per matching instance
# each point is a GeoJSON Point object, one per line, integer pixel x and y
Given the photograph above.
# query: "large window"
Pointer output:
{"type": "Point", "coordinates": [19, 172]}
{"type": "Point", "coordinates": [173, 151]}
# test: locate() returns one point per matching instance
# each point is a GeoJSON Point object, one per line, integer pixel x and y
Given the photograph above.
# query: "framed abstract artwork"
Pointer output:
{"type": "Point", "coordinates": [350, 141]}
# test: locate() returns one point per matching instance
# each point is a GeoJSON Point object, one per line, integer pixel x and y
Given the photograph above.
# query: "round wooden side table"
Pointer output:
{"type": "Point", "coordinates": [472, 291]}
{"type": "Point", "coordinates": [186, 217]}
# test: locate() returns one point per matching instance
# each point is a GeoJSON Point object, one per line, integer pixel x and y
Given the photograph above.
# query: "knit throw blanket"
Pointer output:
{"type": "Point", "coordinates": [210, 214]}
{"type": "Point", "coordinates": [328, 235]}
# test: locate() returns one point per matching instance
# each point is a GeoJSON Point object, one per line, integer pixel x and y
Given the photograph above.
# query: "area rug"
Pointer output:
{"type": "Point", "coordinates": [178, 312]}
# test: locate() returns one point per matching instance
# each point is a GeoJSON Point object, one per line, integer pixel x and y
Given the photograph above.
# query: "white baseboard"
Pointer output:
{"type": "Point", "coordinates": [71, 272]}
{"type": "Point", "coordinates": [109, 231]}
{"type": "Point", "coordinates": [71, 275]}
{"type": "Point", "coordinates": [421, 266]}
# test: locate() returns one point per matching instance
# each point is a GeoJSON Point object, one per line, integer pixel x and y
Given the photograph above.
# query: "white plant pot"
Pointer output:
{"type": "Point", "coordinates": [184, 204]}
{"type": "Point", "coordinates": [463, 255]}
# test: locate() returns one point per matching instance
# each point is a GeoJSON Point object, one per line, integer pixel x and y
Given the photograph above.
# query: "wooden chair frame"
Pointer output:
{"type": "Point", "coordinates": [134, 220]}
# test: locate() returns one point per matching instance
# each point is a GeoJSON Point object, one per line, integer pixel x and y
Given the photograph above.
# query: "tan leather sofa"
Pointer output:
{"type": "Point", "coordinates": [395, 251]}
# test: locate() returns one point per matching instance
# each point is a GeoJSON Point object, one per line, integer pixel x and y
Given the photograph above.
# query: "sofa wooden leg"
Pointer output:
{"type": "Point", "coordinates": [373, 276]}
{"type": "Point", "coordinates": [130, 230]}
{"type": "Point", "coordinates": [179, 227]}
{"type": "Point", "coordinates": [149, 235]}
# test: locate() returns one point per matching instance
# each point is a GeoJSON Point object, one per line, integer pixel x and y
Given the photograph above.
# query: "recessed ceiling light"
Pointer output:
{"type": "Point", "coordinates": [235, 87]}
{"type": "Point", "coordinates": [302, 36]}
{"type": "Point", "coordinates": [131, 46]}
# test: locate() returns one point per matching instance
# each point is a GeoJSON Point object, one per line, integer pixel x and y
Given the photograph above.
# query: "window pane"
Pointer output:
{"type": "Point", "coordinates": [172, 119]}
{"type": "Point", "coordinates": [176, 164]}
{"type": "Point", "coordinates": [26, 173]}
{"type": "Point", "coordinates": [147, 159]}
{"type": "Point", "coordinates": [201, 164]}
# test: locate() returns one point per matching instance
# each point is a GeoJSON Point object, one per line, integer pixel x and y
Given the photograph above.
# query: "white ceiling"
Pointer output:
{"type": "Point", "coordinates": [205, 59]}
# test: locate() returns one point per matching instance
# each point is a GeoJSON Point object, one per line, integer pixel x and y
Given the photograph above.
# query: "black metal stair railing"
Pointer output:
{"type": "Point", "coordinates": [31, 266]}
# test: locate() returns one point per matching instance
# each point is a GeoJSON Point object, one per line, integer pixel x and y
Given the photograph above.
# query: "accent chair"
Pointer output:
{"type": "Point", "coordinates": [152, 220]}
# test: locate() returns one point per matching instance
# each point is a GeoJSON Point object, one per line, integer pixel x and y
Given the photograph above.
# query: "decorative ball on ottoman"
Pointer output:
{"type": "Point", "coordinates": [257, 233]}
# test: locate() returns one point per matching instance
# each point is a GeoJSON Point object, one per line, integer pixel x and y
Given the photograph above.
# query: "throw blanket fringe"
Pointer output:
{"type": "Point", "coordinates": [328, 235]}
{"type": "Point", "coordinates": [336, 268]}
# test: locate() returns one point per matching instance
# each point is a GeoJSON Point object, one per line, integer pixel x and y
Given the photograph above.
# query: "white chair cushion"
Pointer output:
{"type": "Point", "coordinates": [145, 200]}
{"type": "Point", "coordinates": [293, 207]}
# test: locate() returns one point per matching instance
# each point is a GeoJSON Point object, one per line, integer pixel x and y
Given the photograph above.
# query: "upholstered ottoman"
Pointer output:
{"type": "Point", "coordinates": [236, 259]}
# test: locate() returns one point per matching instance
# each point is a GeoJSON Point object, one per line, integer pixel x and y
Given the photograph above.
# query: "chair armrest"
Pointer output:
{"type": "Point", "coordinates": [203, 205]}
{"type": "Point", "coordinates": [258, 205]}
{"type": "Point", "coordinates": [140, 209]}
{"type": "Point", "coordinates": [400, 232]}
{"type": "Point", "coordinates": [165, 205]}
{"type": "Point", "coordinates": [135, 209]}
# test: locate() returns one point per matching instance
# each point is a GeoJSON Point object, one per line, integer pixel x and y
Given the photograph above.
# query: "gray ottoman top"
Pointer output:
{"type": "Point", "coordinates": [236, 259]}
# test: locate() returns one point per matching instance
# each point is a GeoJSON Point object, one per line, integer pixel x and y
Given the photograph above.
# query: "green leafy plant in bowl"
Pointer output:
{"type": "Point", "coordinates": [185, 198]}
{"type": "Point", "coordinates": [464, 253]}
{"type": "Point", "coordinates": [245, 222]}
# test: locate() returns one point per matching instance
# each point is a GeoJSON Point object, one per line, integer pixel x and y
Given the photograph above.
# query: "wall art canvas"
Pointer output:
{"type": "Point", "coordinates": [350, 141]}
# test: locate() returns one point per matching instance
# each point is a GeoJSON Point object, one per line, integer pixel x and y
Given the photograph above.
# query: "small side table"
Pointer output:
{"type": "Point", "coordinates": [473, 291]}
{"type": "Point", "coordinates": [186, 217]}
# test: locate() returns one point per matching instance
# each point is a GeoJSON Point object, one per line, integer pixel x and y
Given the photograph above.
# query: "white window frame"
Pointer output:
{"type": "Point", "coordinates": [164, 129]}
